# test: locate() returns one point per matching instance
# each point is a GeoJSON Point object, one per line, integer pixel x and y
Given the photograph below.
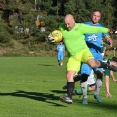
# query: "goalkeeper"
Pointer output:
{"type": "Point", "coordinates": [73, 37]}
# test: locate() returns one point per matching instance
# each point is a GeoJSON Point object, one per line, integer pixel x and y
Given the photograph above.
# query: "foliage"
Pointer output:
{"type": "Point", "coordinates": [43, 16]}
{"type": "Point", "coordinates": [4, 35]}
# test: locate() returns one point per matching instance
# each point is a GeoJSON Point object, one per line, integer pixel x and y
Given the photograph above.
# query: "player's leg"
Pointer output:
{"type": "Point", "coordinates": [83, 85]}
{"type": "Point", "coordinates": [98, 64]}
{"type": "Point", "coordinates": [85, 73]}
{"type": "Point", "coordinates": [98, 86]}
{"type": "Point", "coordinates": [90, 87]}
{"type": "Point", "coordinates": [76, 78]}
{"type": "Point", "coordinates": [91, 81]}
{"type": "Point", "coordinates": [85, 56]}
{"type": "Point", "coordinates": [70, 87]}
{"type": "Point", "coordinates": [58, 58]}
{"type": "Point", "coordinates": [99, 74]}
{"type": "Point", "coordinates": [62, 56]}
{"type": "Point", "coordinates": [88, 58]}
{"type": "Point", "coordinates": [94, 64]}
{"type": "Point", "coordinates": [73, 65]}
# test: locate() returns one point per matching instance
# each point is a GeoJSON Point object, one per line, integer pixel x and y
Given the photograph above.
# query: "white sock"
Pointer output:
{"type": "Point", "coordinates": [84, 89]}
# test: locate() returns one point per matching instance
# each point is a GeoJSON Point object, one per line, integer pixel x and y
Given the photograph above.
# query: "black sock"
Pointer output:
{"type": "Point", "coordinates": [104, 65]}
{"type": "Point", "coordinates": [77, 78]}
{"type": "Point", "coordinates": [70, 88]}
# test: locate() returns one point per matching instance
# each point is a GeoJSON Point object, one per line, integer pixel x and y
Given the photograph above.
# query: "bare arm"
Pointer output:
{"type": "Point", "coordinates": [112, 76]}
{"type": "Point", "coordinates": [107, 83]}
{"type": "Point", "coordinates": [109, 40]}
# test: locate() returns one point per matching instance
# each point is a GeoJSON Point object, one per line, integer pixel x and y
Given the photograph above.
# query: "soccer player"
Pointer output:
{"type": "Point", "coordinates": [74, 40]}
{"type": "Point", "coordinates": [109, 73]}
{"type": "Point", "coordinates": [91, 80]}
{"type": "Point", "coordinates": [61, 53]}
{"type": "Point", "coordinates": [93, 41]}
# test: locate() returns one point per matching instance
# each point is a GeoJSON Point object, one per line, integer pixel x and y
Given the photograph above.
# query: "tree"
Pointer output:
{"type": "Point", "coordinates": [44, 16]}
{"type": "Point", "coordinates": [4, 35]}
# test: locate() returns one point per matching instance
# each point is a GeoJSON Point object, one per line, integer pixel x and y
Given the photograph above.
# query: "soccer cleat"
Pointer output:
{"type": "Point", "coordinates": [84, 101]}
{"type": "Point", "coordinates": [64, 87]}
{"type": "Point", "coordinates": [61, 64]}
{"type": "Point", "coordinates": [66, 99]}
{"type": "Point", "coordinates": [97, 97]}
{"type": "Point", "coordinates": [112, 67]}
{"type": "Point", "coordinates": [106, 66]}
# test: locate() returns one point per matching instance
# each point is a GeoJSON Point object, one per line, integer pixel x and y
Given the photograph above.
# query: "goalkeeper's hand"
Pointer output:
{"type": "Point", "coordinates": [112, 31]}
{"type": "Point", "coordinates": [50, 38]}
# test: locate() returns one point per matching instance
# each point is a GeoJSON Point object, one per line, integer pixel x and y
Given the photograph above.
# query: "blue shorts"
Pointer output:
{"type": "Point", "coordinates": [60, 56]}
{"type": "Point", "coordinates": [86, 69]}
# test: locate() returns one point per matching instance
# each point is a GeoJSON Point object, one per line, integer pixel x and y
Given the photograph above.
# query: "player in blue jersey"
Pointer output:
{"type": "Point", "coordinates": [93, 41]}
{"type": "Point", "coordinates": [61, 53]}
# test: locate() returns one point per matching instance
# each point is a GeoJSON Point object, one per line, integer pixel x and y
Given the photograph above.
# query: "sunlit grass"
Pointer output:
{"type": "Point", "coordinates": [31, 86]}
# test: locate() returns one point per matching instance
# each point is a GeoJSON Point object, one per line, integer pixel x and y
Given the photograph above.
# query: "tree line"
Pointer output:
{"type": "Point", "coordinates": [31, 21]}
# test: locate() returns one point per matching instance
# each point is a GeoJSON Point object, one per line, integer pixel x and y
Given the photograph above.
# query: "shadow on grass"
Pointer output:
{"type": "Point", "coordinates": [59, 91]}
{"type": "Point", "coordinates": [44, 97]}
{"type": "Point", "coordinates": [104, 105]}
{"type": "Point", "coordinates": [91, 104]}
{"type": "Point", "coordinates": [45, 65]}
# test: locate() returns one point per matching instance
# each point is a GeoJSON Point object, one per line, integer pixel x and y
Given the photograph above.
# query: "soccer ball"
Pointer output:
{"type": "Point", "coordinates": [55, 36]}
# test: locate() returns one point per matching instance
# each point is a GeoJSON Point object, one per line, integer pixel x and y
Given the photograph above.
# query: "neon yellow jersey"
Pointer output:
{"type": "Point", "coordinates": [75, 39]}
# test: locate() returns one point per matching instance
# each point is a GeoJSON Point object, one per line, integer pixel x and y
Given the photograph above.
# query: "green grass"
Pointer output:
{"type": "Point", "coordinates": [31, 86]}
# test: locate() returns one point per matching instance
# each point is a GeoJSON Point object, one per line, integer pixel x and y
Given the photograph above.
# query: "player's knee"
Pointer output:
{"type": "Point", "coordinates": [92, 63]}
{"type": "Point", "coordinates": [70, 76]}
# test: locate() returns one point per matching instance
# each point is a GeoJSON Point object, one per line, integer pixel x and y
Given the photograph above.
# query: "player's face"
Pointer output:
{"type": "Point", "coordinates": [69, 24]}
{"type": "Point", "coordinates": [95, 17]}
{"type": "Point", "coordinates": [115, 64]}
{"type": "Point", "coordinates": [61, 43]}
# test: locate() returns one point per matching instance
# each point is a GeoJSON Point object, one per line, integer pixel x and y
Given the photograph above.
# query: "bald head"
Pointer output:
{"type": "Point", "coordinates": [69, 21]}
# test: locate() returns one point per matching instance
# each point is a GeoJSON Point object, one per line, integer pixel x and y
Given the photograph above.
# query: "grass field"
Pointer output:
{"type": "Point", "coordinates": [31, 86]}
